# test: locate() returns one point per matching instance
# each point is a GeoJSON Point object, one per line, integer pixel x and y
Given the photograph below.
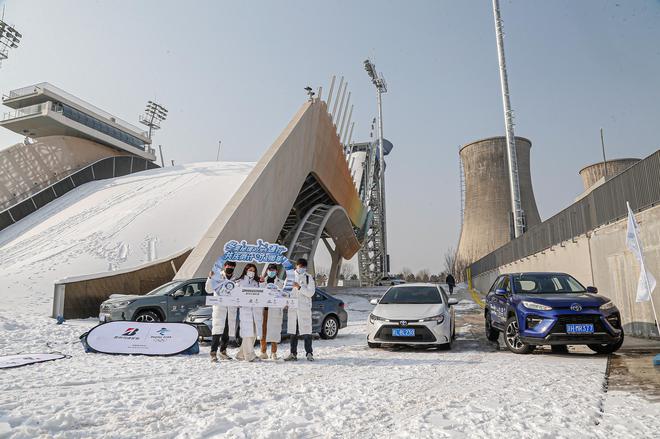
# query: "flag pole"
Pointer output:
{"type": "Point", "coordinates": [643, 268]}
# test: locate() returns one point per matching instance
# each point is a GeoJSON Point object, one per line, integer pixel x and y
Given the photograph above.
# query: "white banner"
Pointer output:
{"type": "Point", "coordinates": [9, 361]}
{"type": "Point", "coordinates": [142, 338]}
{"type": "Point", "coordinates": [229, 294]}
{"type": "Point", "coordinates": [646, 283]}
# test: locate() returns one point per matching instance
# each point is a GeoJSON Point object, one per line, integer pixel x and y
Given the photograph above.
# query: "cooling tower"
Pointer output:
{"type": "Point", "coordinates": [592, 173]}
{"type": "Point", "coordinates": [487, 213]}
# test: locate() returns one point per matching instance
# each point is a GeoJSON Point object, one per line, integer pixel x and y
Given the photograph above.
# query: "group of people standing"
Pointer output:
{"type": "Point", "coordinates": [262, 323]}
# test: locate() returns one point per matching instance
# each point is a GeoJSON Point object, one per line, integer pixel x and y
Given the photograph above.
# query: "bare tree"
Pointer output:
{"type": "Point", "coordinates": [347, 271]}
{"type": "Point", "coordinates": [450, 260]}
{"type": "Point", "coordinates": [422, 275]}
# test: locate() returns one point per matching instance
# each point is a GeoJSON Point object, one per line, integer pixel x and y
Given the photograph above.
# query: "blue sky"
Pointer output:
{"type": "Point", "coordinates": [235, 71]}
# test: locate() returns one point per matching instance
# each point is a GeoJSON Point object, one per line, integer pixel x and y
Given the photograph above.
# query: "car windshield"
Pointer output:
{"type": "Point", "coordinates": [163, 289]}
{"type": "Point", "coordinates": [411, 295]}
{"type": "Point", "coordinates": [546, 283]}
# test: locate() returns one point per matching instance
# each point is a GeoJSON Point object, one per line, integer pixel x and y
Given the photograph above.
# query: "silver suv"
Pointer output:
{"type": "Point", "coordinates": [168, 303]}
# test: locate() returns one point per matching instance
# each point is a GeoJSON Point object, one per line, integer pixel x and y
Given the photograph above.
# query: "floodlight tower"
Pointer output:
{"type": "Point", "coordinates": [154, 114]}
{"type": "Point", "coordinates": [381, 87]}
{"type": "Point", "coordinates": [516, 205]}
{"type": "Point", "coordinates": [9, 39]}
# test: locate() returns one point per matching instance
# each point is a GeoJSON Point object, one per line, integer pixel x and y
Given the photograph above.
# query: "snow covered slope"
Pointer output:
{"type": "Point", "coordinates": [112, 224]}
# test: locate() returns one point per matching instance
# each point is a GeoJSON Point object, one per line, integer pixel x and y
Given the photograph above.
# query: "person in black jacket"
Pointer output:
{"type": "Point", "coordinates": [451, 283]}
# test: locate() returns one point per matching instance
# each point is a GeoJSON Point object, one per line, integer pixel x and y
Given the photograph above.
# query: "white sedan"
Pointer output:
{"type": "Point", "coordinates": [412, 314]}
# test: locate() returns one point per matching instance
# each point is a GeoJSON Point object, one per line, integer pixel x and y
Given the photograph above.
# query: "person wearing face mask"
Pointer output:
{"type": "Point", "coordinates": [249, 316]}
{"type": "Point", "coordinates": [300, 319]}
{"type": "Point", "coordinates": [223, 317]}
{"type": "Point", "coordinates": [271, 328]}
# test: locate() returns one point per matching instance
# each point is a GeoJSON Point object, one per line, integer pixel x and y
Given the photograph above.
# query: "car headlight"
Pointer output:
{"type": "Point", "coordinates": [536, 306]}
{"type": "Point", "coordinates": [607, 306]}
{"type": "Point", "coordinates": [438, 319]}
{"type": "Point", "coordinates": [120, 304]}
{"type": "Point", "coordinates": [373, 318]}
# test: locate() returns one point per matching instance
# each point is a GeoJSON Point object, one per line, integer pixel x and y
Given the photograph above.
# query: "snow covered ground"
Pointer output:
{"type": "Point", "coordinates": [111, 224]}
{"type": "Point", "coordinates": [351, 391]}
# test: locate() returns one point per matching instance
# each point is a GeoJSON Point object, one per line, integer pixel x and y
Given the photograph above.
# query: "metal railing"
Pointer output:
{"type": "Point", "coordinates": [25, 111]}
{"type": "Point", "coordinates": [639, 185]}
{"type": "Point", "coordinates": [108, 167]}
{"type": "Point", "coordinates": [33, 89]}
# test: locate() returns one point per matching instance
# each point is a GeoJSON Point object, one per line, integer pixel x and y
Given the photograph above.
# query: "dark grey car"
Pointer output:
{"type": "Point", "coordinates": [170, 302]}
{"type": "Point", "coordinates": [328, 316]}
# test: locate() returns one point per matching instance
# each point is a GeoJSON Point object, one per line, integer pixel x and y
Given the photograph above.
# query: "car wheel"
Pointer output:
{"type": "Point", "coordinates": [330, 328]}
{"type": "Point", "coordinates": [444, 347]}
{"type": "Point", "coordinates": [147, 317]}
{"type": "Point", "coordinates": [607, 348]}
{"type": "Point", "coordinates": [492, 334]}
{"type": "Point", "coordinates": [512, 338]}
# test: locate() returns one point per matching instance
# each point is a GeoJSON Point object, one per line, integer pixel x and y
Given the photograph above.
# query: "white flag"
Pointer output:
{"type": "Point", "coordinates": [646, 283]}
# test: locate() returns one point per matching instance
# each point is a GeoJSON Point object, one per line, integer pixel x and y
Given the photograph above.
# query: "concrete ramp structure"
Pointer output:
{"type": "Point", "coordinates": [300, 192]}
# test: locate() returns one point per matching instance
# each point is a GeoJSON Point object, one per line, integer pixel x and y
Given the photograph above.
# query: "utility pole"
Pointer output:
{"type": "Point", "coordinates": [217, 157]}
{"type": "Point", "coordinates": [162, 162]}
{"type": "Point", "coordinates": [602, 144]}
{"type": "Point", "coordinates": [154, 114]}
{"type": "Point", "coordinates": [516, 205]}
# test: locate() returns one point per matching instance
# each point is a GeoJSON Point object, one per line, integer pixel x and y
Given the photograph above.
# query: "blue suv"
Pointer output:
{"type": "Point", "coordinates": [554, 309]}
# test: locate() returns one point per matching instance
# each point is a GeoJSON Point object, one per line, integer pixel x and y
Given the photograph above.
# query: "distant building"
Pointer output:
{"type": "Point", "coordinates": [44, 110]}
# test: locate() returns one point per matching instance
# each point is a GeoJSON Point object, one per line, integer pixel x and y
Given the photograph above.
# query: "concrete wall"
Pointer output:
{"type": "Point", "coordinates": [26, 169]}
{"type": "Point", "coordinates": [602, 259]}
{"type": "Point", "coordinates": [486, 218]}
{"type": "Point", "coordinates": [81, 297]}
{"type": "Point", "coordinates": [309, 144]}
{"type": "Point", "coordinates": [592, 173]}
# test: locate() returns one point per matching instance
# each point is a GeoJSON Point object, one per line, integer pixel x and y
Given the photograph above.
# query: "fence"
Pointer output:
{"type": "Point", "coordinates": [108, 167]}
{"type": "Point", "coordinates": [639, 185]}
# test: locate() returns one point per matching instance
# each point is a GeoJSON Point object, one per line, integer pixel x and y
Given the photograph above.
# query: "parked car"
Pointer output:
{"type": "Point", "coordinates": [412, 314]}
{"type": "Point", "coordinates": [554, 309]}
{"type": "Point", "coordinates": [328, 316]}
{"type": "Point", "coordinates": [167, 303]}
{"type": "Point", "coordinates": [389, 280]}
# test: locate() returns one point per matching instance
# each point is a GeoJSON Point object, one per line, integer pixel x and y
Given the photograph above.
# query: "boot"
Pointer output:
{"type": "Point", "coordinates": [223, 356]}
{"type": "Point", "coordinates": [291, 357]}
{"type": "Point", "coordinates": [273, 356]}
{"type": "Point", "coordinates": [310, 357]}
{"type": "Point", "coordinates": [263, 356]}
{"type": "Point", "coordinates": [214, 357]}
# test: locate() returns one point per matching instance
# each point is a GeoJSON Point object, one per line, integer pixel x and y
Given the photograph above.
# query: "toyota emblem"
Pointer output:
{"type": "Point", "coordinates": [403, 323]}
{"type": "Point", "coordinates": [576, 307]}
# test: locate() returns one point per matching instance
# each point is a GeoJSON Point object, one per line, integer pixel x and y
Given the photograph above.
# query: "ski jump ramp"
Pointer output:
{"type": "Point", "coordinates": [300, 192]}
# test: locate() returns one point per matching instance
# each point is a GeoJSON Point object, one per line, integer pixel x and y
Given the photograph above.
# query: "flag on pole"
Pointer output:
{"type": "Point", "coordinates": [646, 283]}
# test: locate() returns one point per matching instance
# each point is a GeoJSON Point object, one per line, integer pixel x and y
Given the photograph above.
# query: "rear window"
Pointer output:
{"type": "Point", "coordinates": [411, 295]}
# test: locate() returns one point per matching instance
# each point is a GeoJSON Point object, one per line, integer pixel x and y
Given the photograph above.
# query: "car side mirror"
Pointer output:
{"type": "Point", "coordinates": [592, 290]}
{"type": "Point", "coordinates": [178, 293]}
{"type": "Point", "coordinates": [374, 301]}
{"type": "Point", "coordinates": [500, 292]}
{"type": "Point", "coordinates": [452, 302]}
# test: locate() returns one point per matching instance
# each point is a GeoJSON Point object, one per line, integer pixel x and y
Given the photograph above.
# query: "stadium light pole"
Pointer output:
{"type": "Point", "coordinates": [154, 114]}
{"type": "Point", "coordinates": [381, 87]}
{"type": "Point", "coordinates": [9, 39]}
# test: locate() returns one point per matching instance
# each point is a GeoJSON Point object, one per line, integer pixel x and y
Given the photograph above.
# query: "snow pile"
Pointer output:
{"type": "Point", "coordinates": [112, 224]}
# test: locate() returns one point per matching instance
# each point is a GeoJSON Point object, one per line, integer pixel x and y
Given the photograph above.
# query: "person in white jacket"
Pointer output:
{"type": "Point", "coordinates": [271, 328]}
{"type": "Point", "coordinates": [300, 319]}
{"type": "Point", "coordinates": [223, 317]}
{"type": "Point", "coordinates": [250, 316]}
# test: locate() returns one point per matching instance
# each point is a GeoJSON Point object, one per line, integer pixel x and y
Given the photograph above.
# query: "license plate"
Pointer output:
{"type": "Point", "coordinates": [403, 332]}
{"type": "Point", "coordinates": [580, 328]}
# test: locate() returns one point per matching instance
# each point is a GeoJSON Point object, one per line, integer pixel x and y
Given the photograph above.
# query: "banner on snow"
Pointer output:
{"type": "Point", "coordinates": [18, 360]}
{"type": "Point", "coordinates": [142, 338]}
{"type": "Point", "coordinates": [230, 294]}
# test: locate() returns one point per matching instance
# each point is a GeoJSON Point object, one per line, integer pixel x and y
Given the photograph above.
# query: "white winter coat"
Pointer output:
{"type": "Point", "coordinates": [251, 317]}
{"type": "Point", "coordinates": [302, 315]}
{"type": "Point", "coordinates": [221, 313]}
{"type": "Point", "coordinates": [275, 317]}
